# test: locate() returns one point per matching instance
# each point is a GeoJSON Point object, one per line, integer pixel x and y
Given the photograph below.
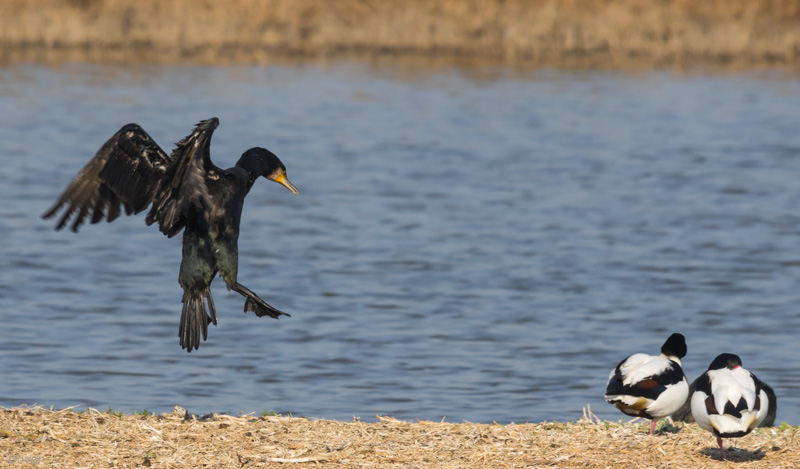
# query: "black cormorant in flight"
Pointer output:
{"type": "Point", "coordinates": [185, 191]}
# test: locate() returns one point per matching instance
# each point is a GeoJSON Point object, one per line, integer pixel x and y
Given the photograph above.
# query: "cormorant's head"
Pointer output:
{"type": "Point", "coordinates": [725, 360]}
{"type": "Point", "coordinates": [262, 162]}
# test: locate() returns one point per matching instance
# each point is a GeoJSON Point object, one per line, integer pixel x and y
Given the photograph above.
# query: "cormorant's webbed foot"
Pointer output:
{"type": "Point", "coordinates": [255, 304]}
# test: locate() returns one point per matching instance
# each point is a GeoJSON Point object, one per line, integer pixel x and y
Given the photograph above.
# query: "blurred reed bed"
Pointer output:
{"type": "Point", "coordinates": [553, 32]}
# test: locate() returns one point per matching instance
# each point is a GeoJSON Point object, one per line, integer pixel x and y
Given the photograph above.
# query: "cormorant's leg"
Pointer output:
{"type": "Point", "coordinates": [719, 442]}
{"type": "Point", "coordinates": [256, 304]}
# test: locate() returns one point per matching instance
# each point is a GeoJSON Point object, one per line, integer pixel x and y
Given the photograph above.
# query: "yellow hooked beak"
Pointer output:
{"type": "Point", "coordinates": [284, 181]}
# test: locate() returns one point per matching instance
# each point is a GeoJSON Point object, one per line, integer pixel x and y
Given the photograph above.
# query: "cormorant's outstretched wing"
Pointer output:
{"type": "Point", "coordinates": [126, 170]}
{"type": "Point", "coordinates": [183, 193]}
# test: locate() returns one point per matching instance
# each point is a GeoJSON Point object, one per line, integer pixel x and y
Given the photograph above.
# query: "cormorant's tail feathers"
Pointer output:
{"type": "Point", "coordinates": [195, 319]}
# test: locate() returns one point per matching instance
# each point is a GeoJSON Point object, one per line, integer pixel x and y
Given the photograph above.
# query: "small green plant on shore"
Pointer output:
{"type": "Point", "coordinates": [111, 411]}
{"type": "Point", "coordinates": [667, 427]}
{"type": "Point", "coordinates": [271, 413]}
{"type": "Point", "coordinates": [147, 457]}
{"type": "Point", "coordinates": [144, 413]}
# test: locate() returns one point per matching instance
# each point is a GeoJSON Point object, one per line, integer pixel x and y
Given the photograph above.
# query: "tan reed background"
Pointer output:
{"type": "Point", "coordinates": [604, 33]}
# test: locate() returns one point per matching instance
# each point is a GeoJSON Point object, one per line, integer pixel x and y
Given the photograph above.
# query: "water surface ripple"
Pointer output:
{"type": "Point", "coordinates": [479, 248]}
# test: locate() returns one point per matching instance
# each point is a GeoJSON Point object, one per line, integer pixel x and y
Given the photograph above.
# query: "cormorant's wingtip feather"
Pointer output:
{"type": "Point", "coordinates": [202, 130]}
{"type": "Point", "coordinates": [131, 126]}
{"type": "Point", "coordinates": [211, 121]}
{"type": "Point", "coordinates": [52, 210]}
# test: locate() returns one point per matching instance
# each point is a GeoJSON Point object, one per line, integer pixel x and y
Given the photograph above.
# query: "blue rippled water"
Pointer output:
{"type": "Point", "coordinates": [468, 245]}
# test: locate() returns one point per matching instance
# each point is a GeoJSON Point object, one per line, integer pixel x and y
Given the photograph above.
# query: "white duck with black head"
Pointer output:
{"type": "Point", "coordinates": [728, 400]}
{"type": "Point", "coordinates": [650, 386]}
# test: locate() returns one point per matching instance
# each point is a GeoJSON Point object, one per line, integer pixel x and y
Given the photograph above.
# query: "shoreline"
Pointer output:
{"type": "Point", "coordinates": [62, 438]}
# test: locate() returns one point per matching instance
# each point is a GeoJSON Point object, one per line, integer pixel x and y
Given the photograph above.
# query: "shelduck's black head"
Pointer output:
{"type": "Point", "coordinates": [725, 360]}
{"type": "Point", "coordinates": [262, 162]}
{"type": "Point", "coordinates": [674, 347]}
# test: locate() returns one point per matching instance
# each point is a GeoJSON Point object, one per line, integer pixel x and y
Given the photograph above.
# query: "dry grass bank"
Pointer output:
{"type": "Point", "coordinates": [94, 439]}
{"type": "Point", "coordinates": [549, 32]}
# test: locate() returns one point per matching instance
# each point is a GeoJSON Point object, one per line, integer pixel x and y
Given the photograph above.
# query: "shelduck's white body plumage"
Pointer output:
{"type": "Point", "coordinates": [650, 386]}
{"type": "Point", "coordinates": [729, 400]}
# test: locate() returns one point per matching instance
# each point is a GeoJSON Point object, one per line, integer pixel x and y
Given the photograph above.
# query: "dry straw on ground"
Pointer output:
{"type": "Point", "coordinates": [596, 33]}
{"type": "Point", "coordinates": [96, 439]}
